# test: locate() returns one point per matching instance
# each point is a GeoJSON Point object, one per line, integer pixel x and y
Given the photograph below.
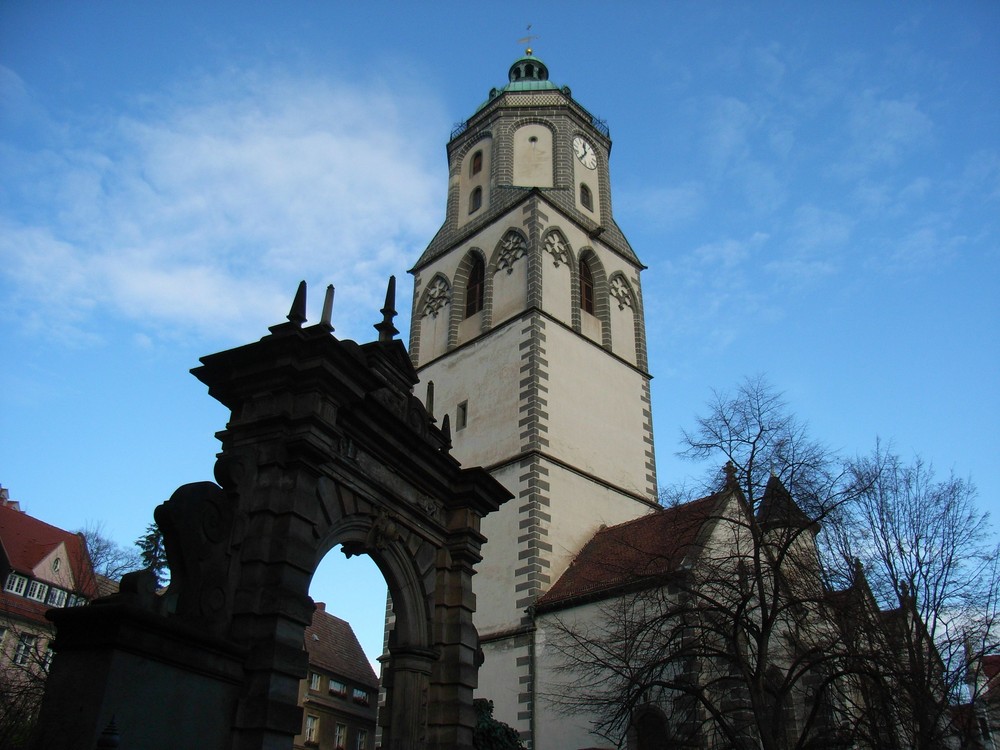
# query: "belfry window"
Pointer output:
{"type": "Point", "coordinates": [475, 200]}
{"type": "Point", "coordinates": [586, 288]}
{"type": "Point", "coordinates": [586, 197]}
{"type": "Point", "coordinates": [477, 163]}
{"type": "Point", "coordinates": [474, 289]}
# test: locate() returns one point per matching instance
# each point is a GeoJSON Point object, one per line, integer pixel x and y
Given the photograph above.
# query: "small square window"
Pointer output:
{"type": "Point", "coordinates": [462, 415]}
{"type": "Point", "coordinates": [57, 598]}
{"type": "Point", "coordinates": [360, 696]}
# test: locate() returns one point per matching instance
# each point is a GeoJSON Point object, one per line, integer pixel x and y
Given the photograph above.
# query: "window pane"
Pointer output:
{"type": "Point", "coordinates": [586, 288]}
{"type": "Point", "coordinates": [474, 290]}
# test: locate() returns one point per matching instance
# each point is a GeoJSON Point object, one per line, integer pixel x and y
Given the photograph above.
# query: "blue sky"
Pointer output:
{"type": "Point", "coordinates": [815, 188]}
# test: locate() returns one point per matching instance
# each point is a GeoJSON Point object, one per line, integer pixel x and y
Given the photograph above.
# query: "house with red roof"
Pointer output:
{"type": "Point", "coordinates": [42, 567]}
{"type": "Point", "coordinates": [339, 696]}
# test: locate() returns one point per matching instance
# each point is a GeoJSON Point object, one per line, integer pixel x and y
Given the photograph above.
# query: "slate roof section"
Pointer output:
{"type": "Point", "coordinates": [504, 199]}
{"type": "Point", "coordinates": [333, 646]}
{"type": "Point", "coordinates": [644, 550]}
{"type": "Point", "coordinates": [26, 541]}
{"type": "Point", "coordinates": [778, 509]}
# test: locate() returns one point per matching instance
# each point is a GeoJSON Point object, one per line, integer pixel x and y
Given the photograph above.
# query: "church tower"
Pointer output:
{"type": "Point", "coordinates": [528, 320]}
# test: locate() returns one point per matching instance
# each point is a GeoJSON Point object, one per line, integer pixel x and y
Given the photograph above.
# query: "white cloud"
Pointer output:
{"type": "Point", "coordinates": [883, 132]}
{"type": "Point", "coordinates": [202, 209]}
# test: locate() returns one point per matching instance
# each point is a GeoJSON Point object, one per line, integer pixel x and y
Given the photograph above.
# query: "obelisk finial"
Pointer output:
{"type": "Point", "coordinates": [326, 319]}
{"type": "Point", "coordinates": [297, 314]}
{"type": "Point", "coordinates": [386, 330]}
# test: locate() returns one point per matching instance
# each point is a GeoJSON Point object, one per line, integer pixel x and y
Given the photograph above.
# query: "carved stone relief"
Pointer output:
{"type": "Point", "coordinates": [438, 295]}
{"type": "Point", "coordinates": [556, 246]}
{"type": "Point", "coordinates": [512, 247]}
{"type": "Point", "coordinates": [621, 292]}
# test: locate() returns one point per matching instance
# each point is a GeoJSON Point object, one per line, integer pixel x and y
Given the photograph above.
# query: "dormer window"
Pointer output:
{"type": "Point", "coordinates": [16, 584]}
{"type": "Point", "coordinates": [477, 164]}
{"type": "Point", "coordinates": [475, 200]}
{"type": "Point", "coordinates": [57, 598]}
{"type": "Point", "coordinates": [37, 591]}
{"type": "Point", "coordinates": [586, 197]}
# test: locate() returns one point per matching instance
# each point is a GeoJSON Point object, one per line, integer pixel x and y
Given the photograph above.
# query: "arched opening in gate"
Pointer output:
{"type": "Point", "coordinates": [340, 694]}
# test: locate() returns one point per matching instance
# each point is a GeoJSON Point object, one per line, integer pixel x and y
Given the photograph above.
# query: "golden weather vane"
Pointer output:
{"type": "Point", "coordinates": [527, 39]}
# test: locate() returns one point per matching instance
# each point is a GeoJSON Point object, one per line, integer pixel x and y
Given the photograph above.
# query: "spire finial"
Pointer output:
{"type": "Point", "coordinates": [297, 314]}
{"type": "Point", "coordinates": [386, 330]}
{"type": "Point", "coordinates": [730, 471]}
{"type": "Point", "coordinates": [446, 431]}
{"type": "Point", "coordinates": [430, 400]}
{"type": "Point", "coordinates": [326, 319]}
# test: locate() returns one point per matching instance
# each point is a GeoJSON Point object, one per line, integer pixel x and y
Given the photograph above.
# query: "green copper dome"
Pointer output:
{"type": "Point", "coordinates": [528, 74]}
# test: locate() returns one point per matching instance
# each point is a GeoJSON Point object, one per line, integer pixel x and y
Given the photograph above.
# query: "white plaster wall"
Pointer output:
{"type": "Point", "coordinates": [486, 374]}
{"type": "Point", "coordinates": [498, 680]}
{"type": "Point", "coordinates": [591, 327]}
{"type": "Point", "coordinates": [434, 333]}
{"type": "Point", "coordinates": [557, 289]}
{"type": "Point", "coordinates": [510, 290]}
{"type": "Point", "coordinates": [493, 583]}
{"type": "Point", "coordinates": [579, 506]}
{"type": "Point", "coordinates": [554, 728]}
{"type": "Point", "coordinates": [533, 156]}
{"type": "Point", "coordinates": [595, 410]}
{"type": "Point", "coordinates": [623, 331]}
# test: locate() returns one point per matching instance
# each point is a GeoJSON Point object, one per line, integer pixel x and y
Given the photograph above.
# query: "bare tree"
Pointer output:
{"type": "Point", "coordinates": [735, 639]}
{"type": "Point", "coordinates": [24, 665]}
{"type": "Point", "coordinates": [753, 429]}
{"type": "Point", "coordinates": [109, 559]}
{"type": "Point", "coordinates": [928, 550]}
{"type": "Point", "coordinates": [773, 637]}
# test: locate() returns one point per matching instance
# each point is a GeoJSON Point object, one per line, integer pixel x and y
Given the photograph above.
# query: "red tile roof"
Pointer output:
{"type": "Point", "coordinates": [332, 646]}
{"type": "Point", "coordinates": [26, 541]}
{"type": "Point", "coordinates": [645, 549]}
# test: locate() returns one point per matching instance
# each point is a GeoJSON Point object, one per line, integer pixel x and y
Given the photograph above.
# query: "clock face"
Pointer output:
{"type": "Point", "coordinates": [585, 153]}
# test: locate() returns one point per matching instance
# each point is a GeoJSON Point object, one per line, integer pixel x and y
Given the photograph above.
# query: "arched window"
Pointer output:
{"type": "Point", "coordinates": [477, 163]}
{"type": "Point", "coordinates": [475, 200]}
{"type": "Point", "coordinates": [586, 287]}
{"type": "Point", "coordinates": [586, 197]}
{"type": "Point", "coordinates": [474, 289]}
